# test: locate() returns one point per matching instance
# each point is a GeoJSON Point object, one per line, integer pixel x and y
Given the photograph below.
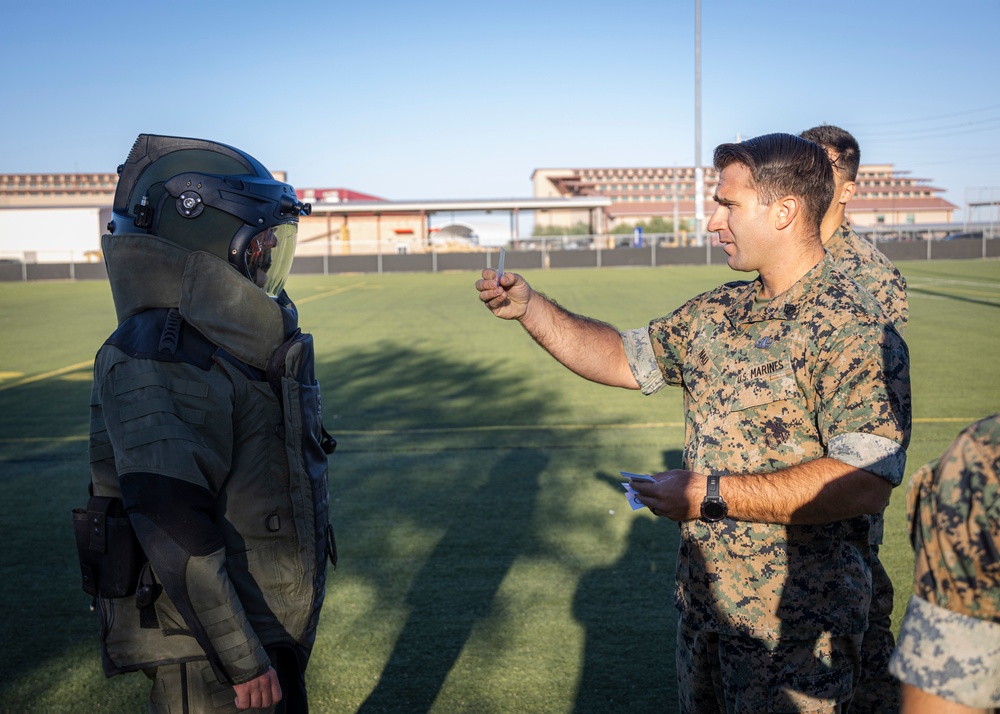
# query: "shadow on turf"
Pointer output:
{"type": "Point", "coordinates": [457, 586]}
{"type": "Point", "coordinates": [950, 296]}
{"type": "Point", "coordinates": [485, 508]}
{"type": "Point", "coordinates": [444, 475]}
{"type": "Point", "coordinates": [631, 668]}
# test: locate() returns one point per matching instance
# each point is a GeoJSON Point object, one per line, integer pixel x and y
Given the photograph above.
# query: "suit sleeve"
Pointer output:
{"type": "Point", "coordinates": [171, 428]}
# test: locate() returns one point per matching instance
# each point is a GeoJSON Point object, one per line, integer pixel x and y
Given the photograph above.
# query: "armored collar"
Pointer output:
{"type": "Point", "coordinates": [149, 272]}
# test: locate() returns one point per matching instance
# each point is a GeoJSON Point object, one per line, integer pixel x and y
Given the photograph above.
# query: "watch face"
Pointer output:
{"type": "Point", "coordinates": [713, 510]}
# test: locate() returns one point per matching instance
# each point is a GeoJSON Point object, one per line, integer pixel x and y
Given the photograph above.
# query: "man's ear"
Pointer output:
{"type": "Point", "coordinates": [785, 211]}
{"type": "Point", "coordinates": [847, 192]}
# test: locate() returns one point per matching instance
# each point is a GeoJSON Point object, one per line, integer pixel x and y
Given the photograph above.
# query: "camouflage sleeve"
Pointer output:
{"type": "Point", "coordinates": [948, 654]}
{"type": "Point", "coordinates": [668, 337]}
{"type": "Point", "coordinates": [954, 518]}
{"type": "Point", "coordinates": [901, 304]}
{"type": "Point", "coordinates": [872, 453]}
{"type": "Point", "coordinates": [642, 361]}
{"type": "Point", "coordinates": [871, 269]}
{"type": "Point", "coordinates": [863, 392]}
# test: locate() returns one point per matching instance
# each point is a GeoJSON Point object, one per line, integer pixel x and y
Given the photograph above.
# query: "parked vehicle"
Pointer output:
{"type": "Point", "coordinates": [978, 235]}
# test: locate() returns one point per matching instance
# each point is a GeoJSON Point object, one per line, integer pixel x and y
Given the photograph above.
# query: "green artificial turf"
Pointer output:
{"type": "Point", "coordinates": [489, 559]}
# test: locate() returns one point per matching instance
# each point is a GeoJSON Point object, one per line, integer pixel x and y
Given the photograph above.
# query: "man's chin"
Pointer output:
{"type": "Point", "coordinates": [732, 258]}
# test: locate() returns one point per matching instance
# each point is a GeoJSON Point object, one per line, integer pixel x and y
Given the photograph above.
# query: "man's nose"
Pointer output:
{"type": "Point", "coordinates": [716, 223]}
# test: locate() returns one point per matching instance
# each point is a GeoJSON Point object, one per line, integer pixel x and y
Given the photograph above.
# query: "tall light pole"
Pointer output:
{"type": "Point", "coordinates": [699, 172]}
{"type": "Point", "coordinates": [673, 187]}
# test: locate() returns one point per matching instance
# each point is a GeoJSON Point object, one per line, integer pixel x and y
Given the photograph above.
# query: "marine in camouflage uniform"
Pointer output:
{"type": "Point", "coordinates": [796, 394]}
{"type": "Point", "coordinates": [869, 267]}
{"type": "Point", "coordinates": [812, 373]}
{"type": "Point", "coordinates": [949, 643]}
{"type": "Point", "coordinates": [878, 692]}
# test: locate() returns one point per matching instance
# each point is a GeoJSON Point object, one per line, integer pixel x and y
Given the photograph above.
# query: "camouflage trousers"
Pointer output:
{"type": "Point", "coordinates": [741, 675]}
{"type": "Point", "coordinates": [879, 691]}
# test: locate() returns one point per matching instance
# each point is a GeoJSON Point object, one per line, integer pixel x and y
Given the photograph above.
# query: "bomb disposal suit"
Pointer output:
{"type": "Point", "coordinates": [206, 535]}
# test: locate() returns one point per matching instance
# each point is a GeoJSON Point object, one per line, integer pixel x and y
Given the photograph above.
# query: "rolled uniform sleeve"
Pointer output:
{"type": "Point", "coordinates": [656, 353]}
{"type": "Point", "coordinates": [642, 361]}
{"type": "Point", "coordinates": [951, 655]}
{"type": "Point", "coordinates": [872, 453]}
{"type": "Point", "coordinates": [949, 643]}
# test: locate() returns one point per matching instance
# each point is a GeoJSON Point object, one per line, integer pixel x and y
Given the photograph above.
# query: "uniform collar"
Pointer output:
{"type": "Point", "coordinates": [781, 307]}
{"type": "Point", "coordinates": [840, 239]}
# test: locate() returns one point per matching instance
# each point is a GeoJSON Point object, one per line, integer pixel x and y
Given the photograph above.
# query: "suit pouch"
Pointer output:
{"type": "Point", "coordinates": [110, 555]}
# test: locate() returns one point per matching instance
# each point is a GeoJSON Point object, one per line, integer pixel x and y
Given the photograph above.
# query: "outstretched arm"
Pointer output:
{"type": "Point", "coordinates": [590, 348]}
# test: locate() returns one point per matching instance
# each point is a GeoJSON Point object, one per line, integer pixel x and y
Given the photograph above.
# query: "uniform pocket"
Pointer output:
{"type": "Point", "coordinates": [109, 552]}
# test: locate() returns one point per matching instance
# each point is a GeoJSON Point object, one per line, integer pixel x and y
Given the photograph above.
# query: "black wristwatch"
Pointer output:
{"type": "Point", "coordinates": [713, 508]}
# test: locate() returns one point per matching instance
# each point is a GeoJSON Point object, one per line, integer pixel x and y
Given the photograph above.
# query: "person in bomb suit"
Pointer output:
{"type": "Point", "coordinates": [206, 438]}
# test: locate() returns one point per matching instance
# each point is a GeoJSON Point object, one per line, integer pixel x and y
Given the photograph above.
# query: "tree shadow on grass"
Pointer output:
{"type": "Point", "coordinates": [630, 667]}
{"type": "Point", "coordinates": [44, 474]}
{"type": "Point", "coordinates": [423, 480]}
{"type": "Point", "coordinates": [458, 583]}
{"type": "Point", "coordinates": [433, 499]}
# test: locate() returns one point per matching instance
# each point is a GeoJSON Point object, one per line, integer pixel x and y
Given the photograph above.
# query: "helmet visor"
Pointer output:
{"type": "Point", "coordinates": [269, 257]}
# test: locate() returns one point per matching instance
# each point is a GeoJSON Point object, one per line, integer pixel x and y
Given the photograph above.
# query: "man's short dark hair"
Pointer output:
{"type": "Point", "coordinates": [840, 142]}
{"type": "Point", "coordinates": [784, 165]}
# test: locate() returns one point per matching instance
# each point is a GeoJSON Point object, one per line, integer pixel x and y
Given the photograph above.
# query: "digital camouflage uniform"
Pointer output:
{"type": "Point", "coordinates": [219, 461]}
{"type": "Point", "coordinates": [867, 265]}
{"type": "Point", "coordinates": [857, 258]}
{"type": "Point", "coordinates": [949, 643]}
{"type": "Point", "coordinates": [813, 372]}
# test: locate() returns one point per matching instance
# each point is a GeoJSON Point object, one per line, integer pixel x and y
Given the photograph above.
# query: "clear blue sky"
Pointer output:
{"type": "Point", "coordinates": [436, 99]}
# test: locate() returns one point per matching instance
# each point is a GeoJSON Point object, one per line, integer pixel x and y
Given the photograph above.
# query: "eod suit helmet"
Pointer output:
{"type": "Point", "coordinates": [202, 195]}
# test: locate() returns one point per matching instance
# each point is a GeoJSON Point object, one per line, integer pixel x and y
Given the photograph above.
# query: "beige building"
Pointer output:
{"type": "Point", "coordinates": [348, 222]}
{"type": "Point", "coordinates": [401, 227]}
{"type": "Point", "coordinates": [891, 197]}
{"type": "Point", "coordinates": [638, 194]}
{"type": "Point", "coordinates": [61, 217]}
{"type": "Point", "coordinates": [87, 190]}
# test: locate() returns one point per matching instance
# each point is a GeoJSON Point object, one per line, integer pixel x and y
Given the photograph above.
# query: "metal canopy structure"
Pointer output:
{"type": "Point", "coordinates": [596, 206]}
{"type": "Point", "coordinates": [387, 208]}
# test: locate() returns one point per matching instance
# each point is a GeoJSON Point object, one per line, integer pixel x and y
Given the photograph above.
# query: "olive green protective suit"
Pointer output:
{"type": "Point", "coordinates": [206, 422]}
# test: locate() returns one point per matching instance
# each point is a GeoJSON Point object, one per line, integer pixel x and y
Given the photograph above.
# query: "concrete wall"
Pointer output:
{"type": "Point", "coordinates": [52, 235]}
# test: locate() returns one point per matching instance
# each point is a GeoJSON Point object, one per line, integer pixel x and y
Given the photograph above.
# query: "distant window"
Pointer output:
{"type": "Point", "coordinates": [910, 218]}
{"type": "Point", "coordinates": [880, 218]}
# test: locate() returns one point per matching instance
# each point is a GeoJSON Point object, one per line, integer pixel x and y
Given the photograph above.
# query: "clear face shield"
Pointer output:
{"type": "Point", "coordinates": [268, 257]}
